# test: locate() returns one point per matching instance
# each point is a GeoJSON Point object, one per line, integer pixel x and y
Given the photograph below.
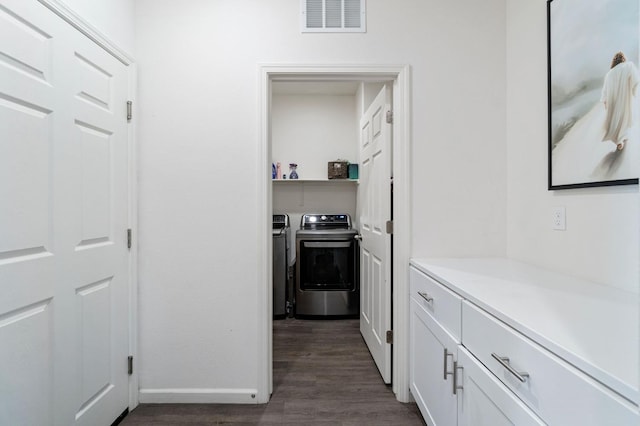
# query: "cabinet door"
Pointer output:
{"type": "Point", "coordinates": [483, 400]}
{"type": "Point", "coordinates": [431, 386]}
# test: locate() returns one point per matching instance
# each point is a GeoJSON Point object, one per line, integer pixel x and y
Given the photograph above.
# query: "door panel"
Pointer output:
{"type": "Point", "coordinates": [28, 99]}
{"type": "Point", "coordinates": [99, 187]}
{"type": "Point", "coordinates": [365, 302]}
{"type": "Point", "coordinates": [95, 153]}
{"type": "Point", "coordinates": [63, 220]}
{"type": "Point", "coordinates": [25, 390]}
{"type": "Point", "coordinates": [377, 287]}
{"type": "Point", "coordinates": [26, 207]}
{"type": "Point", "coordinates": [375, 247]}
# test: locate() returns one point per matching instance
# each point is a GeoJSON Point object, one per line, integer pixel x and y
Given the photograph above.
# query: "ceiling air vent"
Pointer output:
{"type": "Point", "coordinates": [333, 16]}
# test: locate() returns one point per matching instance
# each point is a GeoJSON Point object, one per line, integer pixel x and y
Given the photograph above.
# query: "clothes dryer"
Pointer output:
{"type": "Point", "coordinates": [327, 267]}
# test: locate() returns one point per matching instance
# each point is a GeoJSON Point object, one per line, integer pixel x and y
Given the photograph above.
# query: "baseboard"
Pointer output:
{"type": "Point", "coordinates": [198, 396]}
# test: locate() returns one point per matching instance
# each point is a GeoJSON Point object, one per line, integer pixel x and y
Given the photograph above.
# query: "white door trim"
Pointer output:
{"type": "Point", "coordinates": [76, 21]}
{"type": "Point", "coordinates": [400, 74]}
{"type": "Point", "coordinates": [80, 24]}
{"type": "Point", "coordinates": [134, 388]}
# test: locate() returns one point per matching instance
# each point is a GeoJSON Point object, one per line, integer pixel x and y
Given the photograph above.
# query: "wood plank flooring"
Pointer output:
{"type": "Point", "coordinates": [323, 374]}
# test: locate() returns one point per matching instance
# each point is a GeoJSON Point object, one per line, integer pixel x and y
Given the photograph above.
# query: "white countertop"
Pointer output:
{"type": "Point", "coordinates": [592, 326]}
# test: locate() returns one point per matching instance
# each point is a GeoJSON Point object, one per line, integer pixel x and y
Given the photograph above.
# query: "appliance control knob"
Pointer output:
{"type": "Point", "coordinates": [323, 217]}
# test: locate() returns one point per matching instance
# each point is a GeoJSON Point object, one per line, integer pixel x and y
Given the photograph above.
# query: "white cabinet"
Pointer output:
{"type": "Point", "coordinates": [555, 390]}
{"type": "Point", "coordinates": [472, 362]}
{"type": "Point", "coordinates": [433, 353]}
{"type": "Point", "coordinates": [483, 400]}
{"type": "Point", "coordinates": [435, 335]}
{"type": "Point", "coordinates": [449, 386]}
{"type": "Point", "coordinates": [444, 305]}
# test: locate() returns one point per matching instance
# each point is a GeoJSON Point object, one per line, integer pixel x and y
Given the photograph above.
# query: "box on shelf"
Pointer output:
{"type": "Point", "coordinates": [338, 169]}
{"type": "Point", "coordinates": [353, 171]}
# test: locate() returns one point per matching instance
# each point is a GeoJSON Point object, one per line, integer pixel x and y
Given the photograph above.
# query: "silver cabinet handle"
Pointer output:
{"type": "Point", "coordinates": [504, 361]}
{"type": "Point", "coordinates": [447, 354]}
{"type": "Point", "coordinates": [426, 296]}
{"type": "Point", "coordinates": [456, 367]}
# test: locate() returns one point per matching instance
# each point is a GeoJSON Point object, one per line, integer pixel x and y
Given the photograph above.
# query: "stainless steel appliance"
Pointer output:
{"type": "Point", "coordinates": [327, 270]}
{"type": "Point", "coordinates": [281, 231]}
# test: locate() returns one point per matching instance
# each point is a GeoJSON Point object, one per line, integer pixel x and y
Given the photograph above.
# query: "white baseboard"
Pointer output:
{"type": "Point", "coordinates": [198, 396]}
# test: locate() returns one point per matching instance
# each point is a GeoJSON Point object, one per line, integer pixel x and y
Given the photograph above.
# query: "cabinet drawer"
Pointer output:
{"type": "Point", "coordinates": [558, 392]}
{"type": "Point", "coordinates": [443, 304]}
{"type": "Point", "coordinates": [485, 401]}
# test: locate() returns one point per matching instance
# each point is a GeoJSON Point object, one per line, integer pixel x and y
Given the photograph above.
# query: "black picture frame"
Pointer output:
{"type": "Point", "coordinates": [583, 105]}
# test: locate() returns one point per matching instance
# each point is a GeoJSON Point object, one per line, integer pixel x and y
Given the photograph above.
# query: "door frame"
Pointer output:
{"type": "Point", "coordinates": [400, 75]}
{"type": "Point", "coordinates": [87, 29]}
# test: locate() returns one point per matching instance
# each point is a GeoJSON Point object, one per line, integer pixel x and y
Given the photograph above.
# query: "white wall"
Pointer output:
{"type": "Point", "coordinates": [113, 18]}
{"type": "Point", "coordinates": [459, 157]}
{"type": "Point", "coordinates": [601, 240]}
{"type": "Point", "coordinates": [198, 123]}
{"type": "Point", "coordinates": [311, 130]}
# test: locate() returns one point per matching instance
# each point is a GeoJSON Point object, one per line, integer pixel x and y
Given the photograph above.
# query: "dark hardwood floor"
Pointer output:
{"type": "Point", "coordinates": [323, 374]}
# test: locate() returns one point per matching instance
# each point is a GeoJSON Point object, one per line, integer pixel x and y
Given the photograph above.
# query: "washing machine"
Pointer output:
{"type": "Point", "coordinates": [281, 233]}
{"type": "Point", "coordinates": [327, 267]}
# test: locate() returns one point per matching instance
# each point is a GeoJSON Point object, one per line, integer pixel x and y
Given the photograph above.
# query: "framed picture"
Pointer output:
{"type": "Point", "coordinates": [594, 114]}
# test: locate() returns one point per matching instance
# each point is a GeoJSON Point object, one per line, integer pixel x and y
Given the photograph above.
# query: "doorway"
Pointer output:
{"type": "Point", "coordinates": [399, 78]}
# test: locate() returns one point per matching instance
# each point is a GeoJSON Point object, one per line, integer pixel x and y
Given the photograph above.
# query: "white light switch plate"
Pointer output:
{"type": "Point", "coordinates": [559, 218]}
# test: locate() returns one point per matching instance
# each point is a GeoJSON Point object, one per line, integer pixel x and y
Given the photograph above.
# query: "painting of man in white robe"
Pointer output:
{"type": "Point", "coordinates": [594, 122]}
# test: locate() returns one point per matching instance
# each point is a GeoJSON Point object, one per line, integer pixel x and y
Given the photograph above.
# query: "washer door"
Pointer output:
{"type": "Point", "coordinates": [327, 265]}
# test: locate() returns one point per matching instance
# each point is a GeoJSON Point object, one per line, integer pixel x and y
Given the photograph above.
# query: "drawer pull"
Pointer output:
{"type": "Point", "coordinates": [447, 354]}
{"type": "Point", "coordinates": [456, 367]}
{"type": "Point", "coordinates": [426, 296]}
{"type": "Point", "coordinates": [504, 361]}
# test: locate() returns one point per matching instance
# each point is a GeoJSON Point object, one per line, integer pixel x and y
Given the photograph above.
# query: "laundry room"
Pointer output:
{"type": "Point", "coordinates": [437, 270]}
{"type": "Point", "coordinates": [315, 128]}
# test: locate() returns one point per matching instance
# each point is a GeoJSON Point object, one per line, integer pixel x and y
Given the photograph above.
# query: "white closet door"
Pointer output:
{"type": "Point", "coordinates": [63, 220]}
{"type": "Point", "coordinates": [375, 246]}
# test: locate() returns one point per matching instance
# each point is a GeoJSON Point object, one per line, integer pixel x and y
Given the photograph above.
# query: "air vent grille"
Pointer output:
{"type": "Point", "coordinates": [314, 13]}
{"type": "Point", "coordinates": [352, 13]}
{"type": "Point", "coordinates": [333, 15]}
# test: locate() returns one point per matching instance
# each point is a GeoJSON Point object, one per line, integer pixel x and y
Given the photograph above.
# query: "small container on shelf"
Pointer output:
{"type": "Point", "coordinates": [338, 169]}
{"type": "Point", "coordinates": [292, 171]}
{"type": "Point", "coordinates": [353, 171]}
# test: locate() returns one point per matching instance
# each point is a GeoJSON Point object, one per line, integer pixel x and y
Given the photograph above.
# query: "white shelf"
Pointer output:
{"type": "Point", "coordinates": [314, 180]}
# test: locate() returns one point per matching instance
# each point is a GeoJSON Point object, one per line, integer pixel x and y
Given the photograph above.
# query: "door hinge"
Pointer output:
{"type": "Point", "coordinates": [129, 238]}
{"type": "Point", "coordinates": [389, 227]}
{"type": "Point", "coordinates": [130, 365]}
{"type": "Point", "coordinates": [390, 337]}
{"type": "Point", "coordinates": [389, 117]}
{"type": "Point", "coordinates": [129, 110]}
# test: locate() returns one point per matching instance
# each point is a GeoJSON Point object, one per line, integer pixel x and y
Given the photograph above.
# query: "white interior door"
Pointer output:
{"type": "Point", "coordinates": [63, 219]}
{"type": "Point", "coordinates": [375, 246]}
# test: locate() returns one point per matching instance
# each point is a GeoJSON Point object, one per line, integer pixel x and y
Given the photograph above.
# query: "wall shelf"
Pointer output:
{"type": "Point", "coordinates": [292, 181]}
